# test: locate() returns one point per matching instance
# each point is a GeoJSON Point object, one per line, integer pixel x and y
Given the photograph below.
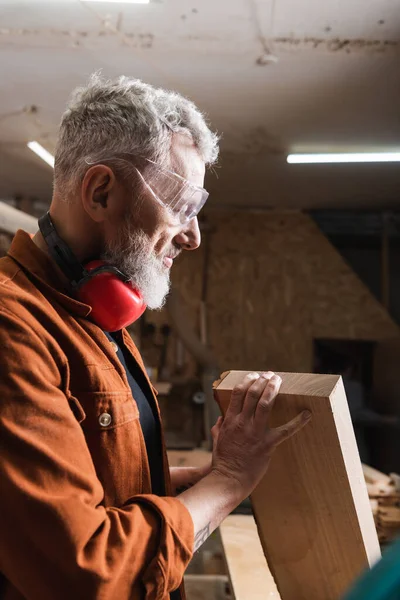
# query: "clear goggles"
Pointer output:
{"type": "Point", "coordinates": [182, 199]}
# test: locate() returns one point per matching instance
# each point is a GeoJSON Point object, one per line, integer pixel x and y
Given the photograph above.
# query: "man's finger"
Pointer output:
{"type": "Point", "coordinates": [284, 432]}
{"type": "Point", "coordinates": [239, 393]}
{"type": "Point", "coordinates": [267, 401]}
{"type": "Point", "coordinates": [255, 393]}
{"type": "Point", "coordinates": [216, 428]}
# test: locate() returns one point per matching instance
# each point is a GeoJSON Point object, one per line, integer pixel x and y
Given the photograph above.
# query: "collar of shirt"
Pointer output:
{"type": "Point", "coordinates": [40, 266]}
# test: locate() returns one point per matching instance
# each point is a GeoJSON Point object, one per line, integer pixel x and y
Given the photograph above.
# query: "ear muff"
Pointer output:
{"type": "Point", "coordinates": [115, 303]}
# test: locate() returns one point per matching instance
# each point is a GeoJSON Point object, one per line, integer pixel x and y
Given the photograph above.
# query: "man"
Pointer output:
{"type": "Point", "coordinates": [87, 501]}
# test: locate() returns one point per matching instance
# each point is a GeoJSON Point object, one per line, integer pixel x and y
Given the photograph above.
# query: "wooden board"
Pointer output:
{"type": "Point", "coordinates": [189, 458]}
{"type": "Point", "coordinates": [206, 587]}
{"type": "Point", "coordinates": [312, 508]}
{"type": "Point", "coordinates": [248, 571]}
{"type": "Point", "coordinates": [373, 476]}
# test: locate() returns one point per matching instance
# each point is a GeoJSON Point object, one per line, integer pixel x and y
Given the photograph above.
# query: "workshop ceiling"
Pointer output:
{"type": "Point", "coordinates": [272, 76]}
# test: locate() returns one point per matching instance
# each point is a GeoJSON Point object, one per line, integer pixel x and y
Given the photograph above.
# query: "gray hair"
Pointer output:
{"type": "Point", "coordinates": [106, 118]}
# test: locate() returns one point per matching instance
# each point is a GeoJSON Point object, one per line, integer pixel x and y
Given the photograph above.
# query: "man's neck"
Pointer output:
{"type": "Point", "coordinates": [75, 229]}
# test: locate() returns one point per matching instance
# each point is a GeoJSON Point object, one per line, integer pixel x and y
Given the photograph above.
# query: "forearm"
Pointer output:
{"type": "Point", "coordinates": [209, 502]}
{"type": "Point", "coordinates": [183, 478]}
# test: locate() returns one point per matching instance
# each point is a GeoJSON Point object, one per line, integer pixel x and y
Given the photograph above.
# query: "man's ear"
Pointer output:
{"type": "Point", "coordinates": [98, 183]}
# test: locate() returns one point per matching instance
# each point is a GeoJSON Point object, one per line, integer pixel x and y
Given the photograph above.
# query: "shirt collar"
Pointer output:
{"type": "Point", "coordinates": [43, 269]}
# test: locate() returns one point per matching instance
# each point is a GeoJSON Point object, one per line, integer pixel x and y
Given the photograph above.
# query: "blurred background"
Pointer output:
{"type": "Point", "coordinates": [299, 269]}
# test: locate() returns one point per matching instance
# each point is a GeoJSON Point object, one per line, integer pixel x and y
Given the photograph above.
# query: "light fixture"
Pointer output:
{"type": "Point", "coordinates": [42, 152]}
{"type": "Point", "coordinates": [121, 1]}
{"type": "Point", "coordinates": [346, 157]}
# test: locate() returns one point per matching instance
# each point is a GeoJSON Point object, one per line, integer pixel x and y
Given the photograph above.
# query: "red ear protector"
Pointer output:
{"type": "Point", "coordinates": [114, 301]}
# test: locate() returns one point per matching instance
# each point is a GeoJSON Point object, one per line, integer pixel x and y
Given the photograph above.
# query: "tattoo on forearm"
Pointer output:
{"type": "Point", "coordinates": [201, 536]}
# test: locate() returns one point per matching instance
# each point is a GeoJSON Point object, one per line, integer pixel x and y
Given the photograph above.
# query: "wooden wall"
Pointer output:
{"type": "Point", "coordinates": [274, 283]}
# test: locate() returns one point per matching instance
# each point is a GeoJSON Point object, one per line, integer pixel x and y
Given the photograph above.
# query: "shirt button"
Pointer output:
{"type": "Point", "coordinates": [114, 346]}
{"type": "Point", "coordinates": [105, 419]}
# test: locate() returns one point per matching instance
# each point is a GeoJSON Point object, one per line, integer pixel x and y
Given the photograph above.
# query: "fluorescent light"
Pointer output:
{"type": "Point", "coordinates": [121, 1]}
{"type": "Point", "coordinates": [42, 152]}
{"type": "Point", "coordinates": [350, 157]}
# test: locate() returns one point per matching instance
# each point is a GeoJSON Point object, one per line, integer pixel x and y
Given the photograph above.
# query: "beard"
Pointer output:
{"type": "Point", "coordinates": [132, 254]}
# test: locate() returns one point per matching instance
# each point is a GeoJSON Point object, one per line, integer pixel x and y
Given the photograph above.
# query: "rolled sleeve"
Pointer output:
{"type": "Point", "coordinates": [175, 545]}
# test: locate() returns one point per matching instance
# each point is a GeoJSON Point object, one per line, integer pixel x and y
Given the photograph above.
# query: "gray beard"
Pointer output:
{"type": "Point", "coordinates": [131, 255]}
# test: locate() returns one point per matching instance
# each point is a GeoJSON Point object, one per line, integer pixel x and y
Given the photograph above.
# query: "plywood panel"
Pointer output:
{"type": "Point", "coordinates": [274, 284]}
{"type": "Point", "coordinates": [312, 506]}
{"type": "Point", "coordinates": [249, 574]}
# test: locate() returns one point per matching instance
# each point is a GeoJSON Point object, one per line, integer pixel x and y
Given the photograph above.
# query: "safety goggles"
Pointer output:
{"type": "Point", "coordinates": [181, 198]}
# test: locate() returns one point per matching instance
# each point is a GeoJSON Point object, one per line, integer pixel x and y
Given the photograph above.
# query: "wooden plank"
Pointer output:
{"type": "Point", "coordinates": [378, 483]}
{"type": "Point", "coordinates": [389, 515]}
{"type": "Point", "coordinates": [312, 507]}
{"type": "Point", "coordinates": [379, 489]}
{"type": "Point", "coordinates": [189, 458]}
{"type": "Point", "coordinates": [373, 476]}
{"type": "Point", "coordinates": [248, 571]}
{"type": "Point", "coordinates": [206, 587]}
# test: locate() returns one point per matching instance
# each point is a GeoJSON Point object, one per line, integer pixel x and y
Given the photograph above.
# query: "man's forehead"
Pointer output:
{"type": "Point", "coordinates": [185, 158]}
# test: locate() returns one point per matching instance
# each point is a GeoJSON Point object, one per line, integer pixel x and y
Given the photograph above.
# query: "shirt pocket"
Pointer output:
{"type": "Point", "coordinates": [113, 434]}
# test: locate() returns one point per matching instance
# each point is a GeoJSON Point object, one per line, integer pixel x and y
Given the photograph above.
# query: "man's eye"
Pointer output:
{"type": "Point", "coordinates": [186, 213]}
{"type": "Point", "coordinates": [190, 211]}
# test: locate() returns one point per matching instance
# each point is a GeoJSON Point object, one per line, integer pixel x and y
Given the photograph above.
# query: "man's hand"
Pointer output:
{"type": "Point", "coordinates": [243, 442]}
{"type": "Point", "coordinates": [243, 445]}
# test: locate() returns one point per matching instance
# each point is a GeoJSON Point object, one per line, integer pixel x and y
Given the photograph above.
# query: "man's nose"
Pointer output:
{"type": "Point", "coordinates": [189, 238]}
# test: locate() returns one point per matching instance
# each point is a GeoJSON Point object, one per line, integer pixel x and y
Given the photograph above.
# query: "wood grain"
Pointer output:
{"type": "Point", "coordinates": [249, 574]}
{"type": "Point", "coordinates": [312, 507]}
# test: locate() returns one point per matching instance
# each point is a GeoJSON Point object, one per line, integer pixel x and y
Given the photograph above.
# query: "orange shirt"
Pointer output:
{"type": "Point", "coordinates": [78, 519]}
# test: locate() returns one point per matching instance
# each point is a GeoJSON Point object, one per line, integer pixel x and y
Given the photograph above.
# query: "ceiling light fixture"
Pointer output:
{"type": "Point", "coordinates": [121, 1]}
{"type": "Point", "coordinates": [346, 157]}
{"type": "Point", "coordinates": [42, 152]}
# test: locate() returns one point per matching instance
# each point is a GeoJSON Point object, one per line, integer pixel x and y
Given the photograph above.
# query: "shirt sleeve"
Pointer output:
{"type": "Point", "coordinates": [57, 538]}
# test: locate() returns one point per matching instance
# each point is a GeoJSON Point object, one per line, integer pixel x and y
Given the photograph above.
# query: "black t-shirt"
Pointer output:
{"type": "Point", "coordinates": [147, 415]}
{"type": "Point", "coordinates": [147, 412]}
